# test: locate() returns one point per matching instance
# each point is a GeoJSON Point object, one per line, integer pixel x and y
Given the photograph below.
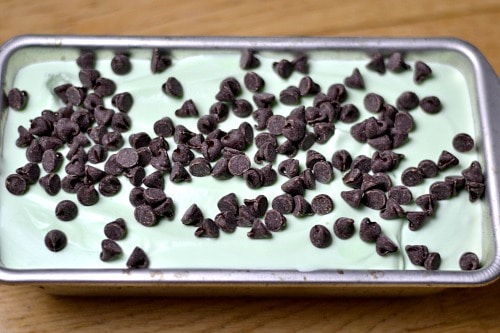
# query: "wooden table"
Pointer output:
{"type": "Point", "coordinates": [27, 309]}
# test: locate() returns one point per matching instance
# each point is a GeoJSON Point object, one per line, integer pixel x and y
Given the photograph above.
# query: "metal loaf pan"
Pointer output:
{"type": "Point", "coordinates": [483, 85]}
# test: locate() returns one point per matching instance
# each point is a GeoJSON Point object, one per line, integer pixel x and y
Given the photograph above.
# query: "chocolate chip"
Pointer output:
{"type": "Point", "coordinates": [358, 132]}
{"type": "Point", "coordinates": [208, 229]}
{"type": "Point", "coordinates": [261, 117]}
{"type": "Point", "coordinates": [457, 183]}
{"type": "Point", "coordinates": [248, 59]}
{"type": "Point", "coordinates": [40, 126]}
{"type": "Point", "coordinates": [104, 87]}
{"type": "Point", "coordinates": [353, 178]}
{"type": "Point", "coordinates": [283, 68]}
{"type": "Point", "coordinates": [341, 160]}
{"type": "Point", "coordinates": [301, 206]}
{"type": "Point", "coordinates": [407, 101]}
{"type": "Point", "coordinates": [323, 172]}
{"type": "Point", "coordinates": [428, 168]}
{"type": "Point", "coordinates": [253, 82]}
{"type": "Point", "coordinates": [283, 203]}
{"type": "Point", "coordinates": [136, 175]}
{"type": "Point", "coordinates": [51, 183]}
{"type": "Point", "coordinates": [200, 167]}
{"type": "Point", "coordinates": [246, 129]}
{"type": "Point", "coordinates": [290, 96]}
{"type": "Point", "coordinates": [110, 250]}
{"type": "Point", "coordinates": [322, 204]}
{"type": "Point", "coordinates": [144, 214]}
{"type": "Point", "coordinates": [374, 199]}
{"type": "Point", "coordinates": [66, 210]}
{"type": "Point", "coordinates": [120, 122]}
{"type": "Point", "coordinates": [88, 77]}
{"type": "Point", "coordinates": [87, 195]}
{"type": "Point", "coordinates": [373, 102]}
{"type": "Point", "coordinates": [300, 63]}
{"type": "Point", "coordinates": [161, 161]}
{"type": "Point", "coordinates": [403, 121]}
{"type": "Point", "coordinates": [112, 140]}
{"type": "Point", "coordinates": [266, 152]}
{"type": "Point", "coordinates": [246, 216]}
{"type": "Point", "coordinates": [476, 190]}
{"type": "Point", "coordinates": [238, 164]}
{"type": "Point", "coordinates": [287, 148]}
{"type": "Point", "coordinates": [263, 100]}
{"type": "Point", "coordinates": [293, 186]}
{"type": "Point", "coordinates": [422, 72]}
{"type": "Point", "coordinates": [386, 160]}
{"type": "Point", "coordinates": [474, 173]}
{"type": "Point", "coordinates": [71, 183]}
{"type": "Point", "coordinates": [138, 259]}
{"type": "Point", "coordinates": [384, 245]}
{"type": "Point", "coordinates": [30, 172]}
{"type": "Point", "coordinates": [120, 64]}
{"type": "Point", "coordinates": [323, 132]}
{"type": "Point", "coordinates": [274, 220]}
{"type": "Point", "coordinates": [259, 231]}
{"type": "Point", "coordinates": [362, 162]}
{"type": "Point", "coordinates": [431, 104]}
{"type": "Point", "coordinates": [298, 113]}
{"type": "Point", "coordinates": [18, 99]}
{"type": "Point", "coordinates": [259, 204]}
{"type": "Point", "coordinates": [433, 261]}
{"type": "Point", "coordinates": [115, 230]}
{"type": "Point", "coordinates": [396, 63]}
{"type": "Point", "coordinates": [25, 137]}
{"type": "Point", "coordinates": [463, 142]}
{"type": "Point", "coordinates": [122, 101]}
{"type": "Point", "coordinates": [275, 124]}
{"type": "Point", "coordinates": [352, 197]}
{"type": "Point", "coordinates": [157, 145]}
{"type": "Point", "coordinates": [369, 230]}
{"type": "Point", "coordinates": [426, 202]}
{"type": "Point", "coordinates": [308, 179]}
{"type": "Point", "coordinates": [229, 203]}
{"type": "Point", "coordinates": [159, 61]}
{"type": "Point", "coordinates": [187, 109]}
{"type": "Point", "coordinates": [269, 175]}
{"type": "Point", "coordinates": [377, 63]}
{"type": "Point", "coordinates": [172, 87]}
{"type": "Point", "coordinates": [226, 221]}
{"type": "Point", "coordinates": [220, 170]}
{"type": "Point", "coordinates": [164, 127]}
{"type": "Point", "coordinates": [412, 177]}
{"type": "Point", "coordinates": [136, 196]}
{"type": "Point", "coordinates": [320, 236]}
{"type": "Point", "coordinates": [392, 210]}
{"type": "Point", "coordinates": [229, 88]}
{"type": "Point", "coordinates": [441, 190]}
{"type": "Point", "coordinates": [416, 220]}
{"type": "Point", "coordinates": [469, 261]}
{"type": "Point", "coordinates": [401, 194]}
{"type": "Point", "coordinates": [417, 254]}
{"type": "Point", "coordinates": [182, 154]}
{"type": "Point", "coordinates": [55, 240]}
{"type": "Point", "coordinates": [355, 80]}
{"type": "Point", "coordinates": [86, 60]}
{"type": "Point", "coordinates": [446, 160]}
{"type": "Point", "coordinates": [343, 227]}
{"type": "Point", "coordinates": [289, 168]}
{"type": "Point", "coordinates": [308, 87]}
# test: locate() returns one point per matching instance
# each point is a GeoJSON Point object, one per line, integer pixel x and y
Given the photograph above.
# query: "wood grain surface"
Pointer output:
{"type": "Point", "coordinates": [28, 309]}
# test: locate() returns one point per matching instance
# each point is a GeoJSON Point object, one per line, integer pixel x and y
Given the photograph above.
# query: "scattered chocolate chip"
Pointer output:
{"type": "Point", "coordinates": [25, 137]}
{"type": "Point", "coordinates": [200, 167]}
{"type": "Point", "coordinates": [122, 101]}
{"type": "Point", "coordinates": [396, 63]}
{"type": "Point", "coordinates": [431, 104]}
{"type": "Point", "coordinates": [392, 210]}
{"type": "Point", "coordinates": [55, 240]}
{"type": "Point", "coordinates": [289, 168]}
{"type": "Point", "coordinates": [355, 80]}
{"type": "Point", "coordinates": [322, 204]}
{"type": "Point", "coordinates": [259, 204]}
{"type": "Point", "coordinates": [476, 190]}
{"type": "Point", "coordinates": [104, 87]}
{"type": "Point", "coordinates": [341, 160]}
{"type": "Point", "coordinates": [374, 199]}
{"type": "Point", "coordinates": [290, 96]}
{"type": "Point", "coordinates": [17, 99]}
{"type": "Point", "coordinates": [300, 63]}
{"type": "Point", "coordinates": [30, 172]}
{"type": "Point", "coordinates": [469, 261]}
{"type": "Point", "coordinates": [274, 220]}
{"type": "Point", "coordinates": [407, 101]}
{"type": "Point", "coordinates": [308, 87]}
{"type": "Point", "coordinates": [16, 184]}
{"type": "Point", "coordinates": [301, 206]}
{"type": "Point", "coordinates": [87, 195]}
{"type": "Point", "coordinates": [323, 172]}
{"type": "Point", "coordinates": [362, 162]}
{"type": "Point", "coordinates": [417, 254]}
{"type": "Point", "coordinates": [474, 173]}
{"type": "Point", "coordinates": [144, 214]}
{"type": "Point", "coordinates": [226, 221]}
{"type": "Point", "coordinates": [369, 230]}
{"type": "Point", "coordinates": [343, 228]}
{"type": "Point", "coordinates": [187, 109]}
{"type": "Point", "coordinates": [248, 59]}
{"type": "Point", "coordinates": [263, 100]}
{"type": "Point", "coordinates": [259, 231]}
{"type": "Point", "coordinates": [275, 124]}
{"type": "Point", "coordinates": [463, 142]}
{"type": "Point", "coordinates": [51, 183]}
{"type": "Point", "coordinates": [416, 220]}
{"type": "Point", "coordinates": [115, 230]}
{"type": "Point", "coordinates": [377, 63]}
{"type": "Point", "coordinates": [283, 203]}
{"type": "Point", "coordinates": [238, 164]}
{"type": "Point", "coordinates": [352, 197]}
{"type": "Point", "coordinates": [283, 68]}
{"type": "Point", "coordinates": [412, 177]}
{"type": "Point", "coordinates": [373, 102]}
{"type": "Point", "coordinates": [320, 236]}
{"type": "Point", "coordinates": [426, 202]}
{"type": "Point", "coordinates": [110, 250]}
{"type": "Point", "coordinates": [457, 183]}
{"type": "Point", "coordinates": [86, 60]}
{"type": "Point", "coordinates": [164, 127]}
{"type": "Point", "coordinates": [401, 194]}
{"type": "Point", "coordinates": [441, 190]}
{"type": "Point", "coordinates": [136, 175]}
{"type": "Point", "coordinates": [422, 72]}
{"type": "Point", "coordinates": [433, 261]}
{"type": "Point", "coordinates": [66, 210]}
{"type": "Point", "coordinates": [427, 168]}
{"type": "Point", "coordinates": [323, 132]}
{"type": "Point", "coordinates": [293, 186]}
{"type": "Point", "coordinates": [161, 161]}
{"type": "Point", "coordinates": [138, 259]}
{"type": "Point", "coordinates": [172, 87]}
{"type": "Point", "coordinates": [446, 160]}
{"type": "Point", "coordinates": [92, 101]}
{"type": "Point", "coordinates": [287, 148]}
{"type": "Point", "coordinates": [253, 82]}
{"type": "Point", "coordinates": [159, 61]}
{"type": "Point", "coordinates": [88, 77]}
{"type": "Point", "coordinates": [120, 64]}
{"type": "Point", "coordinates": [207, 228]}
{"type": "Point", "coordinates": [384, 245]}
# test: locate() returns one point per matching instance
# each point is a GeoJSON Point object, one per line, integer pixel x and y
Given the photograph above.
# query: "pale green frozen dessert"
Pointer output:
{"type": "Point", "coordinates": [456, 227]}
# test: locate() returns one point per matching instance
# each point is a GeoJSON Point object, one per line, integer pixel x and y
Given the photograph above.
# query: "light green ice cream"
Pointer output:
{"type": "Point", "coordinates": [456, 227]}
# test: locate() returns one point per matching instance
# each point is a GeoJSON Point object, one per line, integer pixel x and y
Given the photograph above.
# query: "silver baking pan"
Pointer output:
{"type": "Point", "coordinates": [483, 85]}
